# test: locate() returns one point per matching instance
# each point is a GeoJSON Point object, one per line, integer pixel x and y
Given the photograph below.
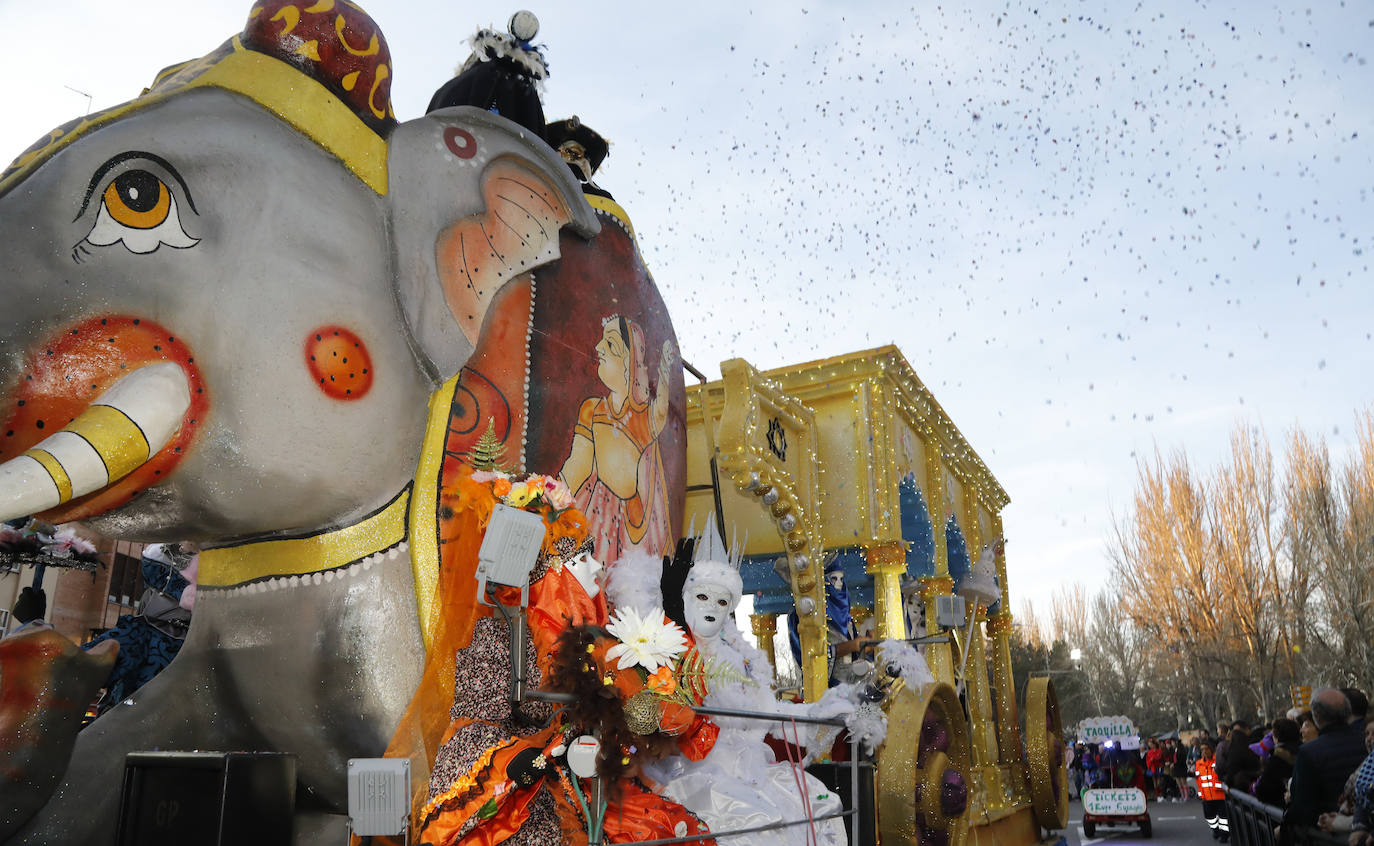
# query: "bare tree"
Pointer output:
{"type": "Point", "coordinates": [1068, 620]}
{"type": "Point", "coordinates": [1246, 536]}
{"type": "Point", "coordinates": [1164, 557]}
{"type": "Point", "coordinates": [1031, 630]}
{"type": "Point", "coordinates": [1330, 516]}
{"type": "Point", "coordinates": [1229, 586]}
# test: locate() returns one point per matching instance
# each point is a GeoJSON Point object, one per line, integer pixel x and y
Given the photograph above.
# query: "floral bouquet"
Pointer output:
{"type": "Point", "coordinates": [636, 684]}
{"type": "Point", "coordinates": [657, 650]}
{"type": "Point", "coordinates": [533, 493]}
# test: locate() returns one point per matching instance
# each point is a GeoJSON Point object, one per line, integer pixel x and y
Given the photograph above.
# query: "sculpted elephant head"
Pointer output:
{"type": "Point", "coordinates": [199, 260]}
{"type": "Point", "coordinates": [229, 302]}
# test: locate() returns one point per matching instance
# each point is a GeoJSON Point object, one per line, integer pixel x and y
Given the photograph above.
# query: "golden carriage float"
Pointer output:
{"type": "Point", "coordinates": [852, 460]}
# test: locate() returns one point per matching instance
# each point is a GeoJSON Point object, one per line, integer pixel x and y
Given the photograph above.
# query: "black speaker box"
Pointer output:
{"type": "Point", "coordinates": [207, 799]}
{"type": "Point", "coordinates": [836, 776]}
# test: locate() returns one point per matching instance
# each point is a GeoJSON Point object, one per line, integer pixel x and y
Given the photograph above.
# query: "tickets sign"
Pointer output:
{"type": "Point", "coordinates": [1116, 801]}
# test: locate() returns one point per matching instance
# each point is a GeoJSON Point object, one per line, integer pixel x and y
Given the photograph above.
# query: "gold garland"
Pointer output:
{"type": "Point", "coordinates": [932, 586]}
{"type": "Point", "coordinates": [887, 555]}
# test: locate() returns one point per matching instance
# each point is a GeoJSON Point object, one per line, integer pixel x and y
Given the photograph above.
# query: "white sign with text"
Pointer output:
{"type": "Point", "coordinates": [1115, 801]}
{"type": "Point", "coordinates": [1098, 729]}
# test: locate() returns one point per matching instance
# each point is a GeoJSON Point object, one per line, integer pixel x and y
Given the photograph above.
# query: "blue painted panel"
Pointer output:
{"type": "Point", "coordinates": [916, 530]}
{"type": "Point", "coordinates": [957, 550]}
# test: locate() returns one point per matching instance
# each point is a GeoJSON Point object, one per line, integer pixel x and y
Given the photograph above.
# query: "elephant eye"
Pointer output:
{"type": "Point", "coordinates": [137, 207]}
{"type": "Point", "coordinates": [138, 200]}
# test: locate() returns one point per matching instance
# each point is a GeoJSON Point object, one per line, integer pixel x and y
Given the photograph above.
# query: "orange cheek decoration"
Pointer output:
{"type": "Point", "coordinates": [61, 379]}
{"type": "Point", "coordinates": [339, 363]}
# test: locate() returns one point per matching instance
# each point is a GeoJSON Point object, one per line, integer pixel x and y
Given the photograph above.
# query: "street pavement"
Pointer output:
{"type": "Point", "coordinates": [1176, 824]}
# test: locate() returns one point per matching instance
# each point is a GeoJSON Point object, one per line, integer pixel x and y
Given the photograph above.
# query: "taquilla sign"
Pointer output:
{"type": "Point", "coordinates": [1116, 801]}
{"type": "Point", "coordinates": [1098, 729]}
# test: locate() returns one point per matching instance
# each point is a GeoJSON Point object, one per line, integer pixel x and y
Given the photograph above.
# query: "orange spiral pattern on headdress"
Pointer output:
{"type": "Point", "coordinates": [335, 43]}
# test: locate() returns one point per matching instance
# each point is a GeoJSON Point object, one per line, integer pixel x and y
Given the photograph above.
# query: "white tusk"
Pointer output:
{"type": "Point", "coordinates": [121, 430]}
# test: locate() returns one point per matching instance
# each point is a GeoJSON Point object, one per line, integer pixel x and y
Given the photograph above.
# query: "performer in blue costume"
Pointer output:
{"type": "Point", "coordinates": [842, 638]}
{"type": "Point", "coordinates": [151, 638]}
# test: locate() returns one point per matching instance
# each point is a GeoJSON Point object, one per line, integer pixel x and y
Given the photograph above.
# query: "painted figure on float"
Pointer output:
{"type": "Point", "coordinates": [615, 469]}
{"type": "Point", "coordinates": [618, 436]}
{"type": "Point", "coordinates": [161, 382]}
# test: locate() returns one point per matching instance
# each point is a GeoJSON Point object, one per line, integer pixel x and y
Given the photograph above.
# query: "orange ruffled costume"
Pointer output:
{"type": "Point", "coordinates": [472, 733]}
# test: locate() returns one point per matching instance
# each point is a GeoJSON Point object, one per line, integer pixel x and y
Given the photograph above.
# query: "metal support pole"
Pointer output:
{"type": "Point", "coordinates": [857, 821]}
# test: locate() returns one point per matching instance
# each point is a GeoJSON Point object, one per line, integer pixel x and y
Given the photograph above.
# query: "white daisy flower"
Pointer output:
{"type": "Point", "coordinates": [649, 641]}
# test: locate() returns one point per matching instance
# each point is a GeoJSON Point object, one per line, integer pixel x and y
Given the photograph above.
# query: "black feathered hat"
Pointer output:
{"type": "Point", "coordinates": [562, 135]}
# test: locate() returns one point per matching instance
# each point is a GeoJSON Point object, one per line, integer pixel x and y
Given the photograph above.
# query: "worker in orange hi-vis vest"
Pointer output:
{"type": "Point", "coordinates": [1213, 797]}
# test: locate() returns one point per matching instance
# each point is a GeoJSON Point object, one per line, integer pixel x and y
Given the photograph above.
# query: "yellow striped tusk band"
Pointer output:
{"type": "Point", "coordinates": [55, 470]}
{"type": "Point", "coordinates": [116, 438]}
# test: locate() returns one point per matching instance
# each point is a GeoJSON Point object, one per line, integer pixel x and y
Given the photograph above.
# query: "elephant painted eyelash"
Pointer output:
{"type": "Point", "coordinates": [137, 207]}
{"type": "Point", "coordinates": [121, 159]}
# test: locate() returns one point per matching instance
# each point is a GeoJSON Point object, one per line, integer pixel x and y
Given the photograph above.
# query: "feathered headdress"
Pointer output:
{"type": "Point", "coordinates": [515, 45]}
{"type": "Point", "coordinates": [713, 563]}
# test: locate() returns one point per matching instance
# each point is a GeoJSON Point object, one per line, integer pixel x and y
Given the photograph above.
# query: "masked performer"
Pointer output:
{"type": "Point", "coordinates": [740, 784]}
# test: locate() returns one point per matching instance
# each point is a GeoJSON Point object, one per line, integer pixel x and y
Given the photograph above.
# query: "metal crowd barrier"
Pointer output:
{"type": "Point", "coordinates": [1252, 824]}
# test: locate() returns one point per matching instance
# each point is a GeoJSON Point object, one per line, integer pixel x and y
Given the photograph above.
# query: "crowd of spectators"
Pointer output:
{"type": "Point", "coordinates": [1315, 765]}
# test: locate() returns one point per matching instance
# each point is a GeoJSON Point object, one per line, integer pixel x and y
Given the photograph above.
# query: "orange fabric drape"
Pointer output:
{"type": "Point", "coordinates": [465, 508]}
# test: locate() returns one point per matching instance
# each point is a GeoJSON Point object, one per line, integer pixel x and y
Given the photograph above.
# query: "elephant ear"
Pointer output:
{"type": "Point", "coordinates": [475, 201]}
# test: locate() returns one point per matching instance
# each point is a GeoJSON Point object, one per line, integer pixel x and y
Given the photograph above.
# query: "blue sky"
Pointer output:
{"type": "Point", "coordinates": [1094, 228]}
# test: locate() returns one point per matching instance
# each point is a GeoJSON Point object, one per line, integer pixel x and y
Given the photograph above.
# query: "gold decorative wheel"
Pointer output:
{"type": "Point", "coordinates": [1049, 776]}
{"type": "Point", "coordinates": [924, 770]}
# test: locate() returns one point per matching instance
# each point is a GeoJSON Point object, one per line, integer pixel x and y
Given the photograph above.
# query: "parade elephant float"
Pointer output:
{"type": "Point", "coordinates": [252, 309]}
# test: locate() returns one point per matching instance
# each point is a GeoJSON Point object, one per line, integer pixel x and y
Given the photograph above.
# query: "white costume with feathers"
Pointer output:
{"type": "Point", "coordinates": [740, 784]}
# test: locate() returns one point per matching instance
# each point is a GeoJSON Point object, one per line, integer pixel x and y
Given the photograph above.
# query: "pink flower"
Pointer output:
{"type": "Point", "coordinates": [483, 476]}
{"type": "Point", "coordinates": [557, 495]}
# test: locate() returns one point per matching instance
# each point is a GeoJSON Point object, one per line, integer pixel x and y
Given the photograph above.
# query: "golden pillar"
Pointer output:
{"type": "Point", "coordinates": [976, 692]}
{"type": "Point", "coordinates": [765, 626]}
{"type": "Point", "coordinates": [1008, 722]}
{"type": "Point", "coordinates": [1000, 629]}
{"type": "Point", "coordinates": [939, 656]}
{"type": "Point", "coordinates": [887, 564]}
{"type": "Point", "coordinates": [982, 728]}
{"type": "Point", "coordinates": [815, 662]}
{"type": "Point", "coordinates": [983, 725]}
